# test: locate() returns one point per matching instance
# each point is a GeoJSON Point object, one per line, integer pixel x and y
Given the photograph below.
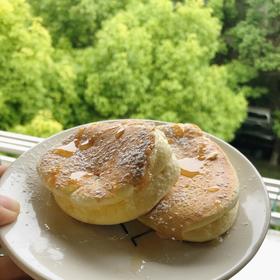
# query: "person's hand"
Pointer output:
{"type": "Point", "coordinates": [9, 209]}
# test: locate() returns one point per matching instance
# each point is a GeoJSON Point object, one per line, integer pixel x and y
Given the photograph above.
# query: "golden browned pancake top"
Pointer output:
{"type": "Point", "coordinates": [206, 188]}
{"type": "Point", "coordinates": [112, 154]}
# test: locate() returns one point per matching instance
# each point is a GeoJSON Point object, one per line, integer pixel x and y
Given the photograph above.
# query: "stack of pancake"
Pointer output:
{"type": "Point", "coordinates": [171, 177]}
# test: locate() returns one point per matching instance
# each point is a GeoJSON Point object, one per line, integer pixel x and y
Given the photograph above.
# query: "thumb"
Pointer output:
{"type": "Point", "coordinates": [2, 169]}
{"type": "Point", "coordinates": [9, 210]}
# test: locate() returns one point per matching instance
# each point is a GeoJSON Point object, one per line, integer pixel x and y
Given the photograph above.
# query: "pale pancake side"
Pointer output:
{"type": "Point", "coordinates": [213, 230]}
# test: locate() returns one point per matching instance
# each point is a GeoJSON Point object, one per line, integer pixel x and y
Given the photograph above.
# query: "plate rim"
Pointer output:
{"type": "Point", "coordinates": [246, 259]}
{"type": "Point", "coordinates": [38, 274]}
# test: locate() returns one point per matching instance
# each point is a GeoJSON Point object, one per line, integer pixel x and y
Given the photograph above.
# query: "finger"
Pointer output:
{"type": "Point", "coordinates": [2, 169]}
{"type": "Point", "coordinates": [9, 271]}
{"type": "Point", "coordinates": [9, 210]}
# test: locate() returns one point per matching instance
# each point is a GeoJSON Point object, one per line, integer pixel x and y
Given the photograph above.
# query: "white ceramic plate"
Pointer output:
{"type": "Point", "coordinates": [48, 244]}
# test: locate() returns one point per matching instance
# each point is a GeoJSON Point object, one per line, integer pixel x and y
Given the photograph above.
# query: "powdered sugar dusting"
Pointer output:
{"type": "Point", "coordinates": [193, 198]}
{"type": "Point", "coordinates": [113, 153]}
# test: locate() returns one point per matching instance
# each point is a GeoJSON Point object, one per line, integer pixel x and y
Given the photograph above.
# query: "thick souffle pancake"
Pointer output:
{"type": "Point", "coordinates": [109, 173]}
{"type": "Point", "coordinates": [203, 203]}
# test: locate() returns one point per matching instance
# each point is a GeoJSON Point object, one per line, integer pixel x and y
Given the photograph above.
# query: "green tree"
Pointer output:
{"type": "Point", "coordinates": [31, 77]}
{"type": "Point", "coordinates": [154, 61]}
{"type": "Point", "coordinates": [251, 50]}
{"type": "Point", "coordinates": [75, 20]}
{"type": "Point", "coordinates": [115, 59]}
{"type": "Point", "coordinates": [44, 123]}
{"type": "Point", "coordinates": [256, 41]}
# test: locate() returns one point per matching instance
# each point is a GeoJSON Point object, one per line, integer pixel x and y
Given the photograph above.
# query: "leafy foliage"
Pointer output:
{"type": "Point", "coordinates": [256, 37]}
{"type": "Point", "coordinates": [252, 50]}
{"type": "Point", "coordinates": [143, 65]}
{"type": "Point", "coordinates": [173, 60]}
{"type": "Point", "coordinates": [30, 78]}
{"type": "Point", "coordinates": [75, 20]}
{"type": "Point", "coordinates": [44, 123]}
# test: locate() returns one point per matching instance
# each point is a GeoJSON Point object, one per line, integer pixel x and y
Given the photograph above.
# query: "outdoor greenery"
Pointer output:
{"type": "Point", "coordinates": [75, 22]}
{"type": "Point", "coordinates": [68, 62]}
{"type": "Point", "coordinates": [251, 44]}
{"type": "Point", "coordinates": [44, 123]}
{"type": "Point", "coordinates": [31, 78]}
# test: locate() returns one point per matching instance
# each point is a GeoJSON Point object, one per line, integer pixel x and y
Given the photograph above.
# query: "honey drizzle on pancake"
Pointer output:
{"type": "Point", "coordinates": [194, 197]}
{"type": "Point", "coordinates": [69, 149]}
{"type": "Point", "coordinates": [117, 153]}
{"type": "Point", "coordinates": [177, 130]}
{"type": "Point", "coordinates": [119, 133]}
{"type": "Point", "coordinates": [52, 178]}
{"type": "Point", "coordinates": [190, 167]}
{"type": "Point", "coordinates": [86, 144]}
{"type": "Point", "coordinates": [66, 150]}
{"type": "Point", "coordinates": [78, 136]}
{"type": "Point", "coordinates": [201, 151]}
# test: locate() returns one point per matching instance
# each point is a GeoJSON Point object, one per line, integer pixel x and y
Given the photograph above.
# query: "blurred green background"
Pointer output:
{"type": "Point", "coordinates": [214, 63]}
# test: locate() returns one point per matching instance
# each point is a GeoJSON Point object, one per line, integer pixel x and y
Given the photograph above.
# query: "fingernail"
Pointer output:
{"type": "Point", "coordinates": [9, 209]}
